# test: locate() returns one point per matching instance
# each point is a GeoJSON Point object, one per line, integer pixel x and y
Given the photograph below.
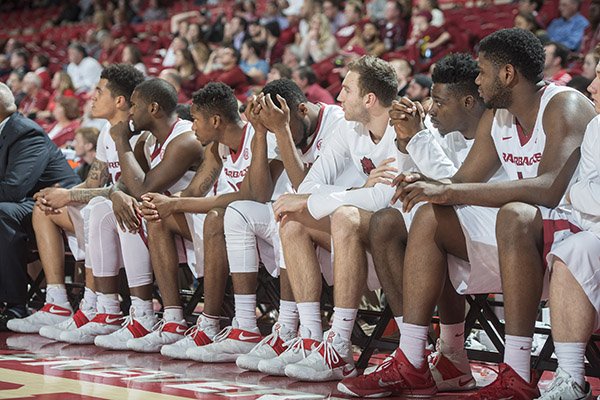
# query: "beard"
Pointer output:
{"type": "Point", "coordinates": [501, 98]}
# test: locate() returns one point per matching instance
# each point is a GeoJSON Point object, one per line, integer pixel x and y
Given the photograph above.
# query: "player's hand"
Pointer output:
{"type": "Point", "coordinates": [121, 130]}
{"type": "Point", "coordinates": [404, 179]}
{"type": "Point", "coordinates": [406, 117]}
{"type": "Point", "coordinates": [288, 204]}
{"type": "Point", "coordinates": [252, 115]}
{"type": "Point", "coordinates": [384, 173]}
{"type": "Point", "coordinates": [276, 119]}
{"type": "Point", "coordinates": [51, 199]}
{"type": "Point", "coordinates": [431, 192]}
{"type": "Point", "coordinates": [156, 206]}
{"type": "Point", "coordinates": [127, 211]}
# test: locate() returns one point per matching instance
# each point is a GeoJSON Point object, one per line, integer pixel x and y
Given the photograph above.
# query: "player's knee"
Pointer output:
{"type": "Point", "coordinates": [213, 224]}
{"type": "Point", "coordinates": [517, 221]}
{"type": "Point", "coordinates": [291, 230]}
{"type": "Point", "coordinates": [345, 220]}
{"type": "Point", "coordinates": [385, 225]}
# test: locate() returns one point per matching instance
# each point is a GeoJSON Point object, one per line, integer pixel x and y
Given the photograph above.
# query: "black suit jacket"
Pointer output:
{"type": "Point", "coordinates": [29, 161]}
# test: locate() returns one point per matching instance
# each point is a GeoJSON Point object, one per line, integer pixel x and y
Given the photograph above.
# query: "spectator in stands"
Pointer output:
{"type": "Point", "coordinates": [185, 65]}
{"type": "Point", "coordinates": [224, 68]}
{"type": "Point", "coordinates": [252, 65]}
{"type": "Point", "coordinates": [279, 71]}
{"type": "Point", "coordinates": [101, 20]}
{"type": "Point", "coordinates": [84, 145]}
{"type": "Point", "coordinates": [437, 16]}
{"type": "Point", "coordinates": [532, 6]}
{"type": "Point", "coordinates": [84, 71]}
{"type": "Point", "coordinates": [369, 39]}
{"type": "Point", "coordinates": [39, 65]}
{"type": "Point", "coordinates": [18, 61]}
{"type": "Point", "coordinates": [155, 12]}
{"type": "Point", "coordinates": [353, 11]}
{"type": "Point", "coordinates": [247, 10]}
{"type": "Point", "coordinates": [394, 27]}
{"type": "Point", "coordinates": [235, 32]}
{"type": "Point", "coordinates": [66, 113]}
{"type": "Point", "coordinates": [590, 62]}
{"type": "Point", "coordinates": [15, 83]}
{"type": "Point", "coordinates": [172, 76]}
{"type": "Point", "coordinates": [29, 162]}
{"type": "Point", "coordinates": [555, 65]}
{"type": "Point", "coordinates": [419, 88]}
{"type": "Point", "coordinates": [90, 44]}
{"type": "Point", "coordinates": [403, 73]}
{"type": "Point", "coordinates": [110, 51]}
{"type": "Point", "coordinates": [319, 43]}
{"type": "Point", "coordinates": [120, 27]}
{"type": "Point", "coordinates": [526, 20]}
{"type": "Point", "coordinates": [568, 29]}
{"type": "Point", "coordinates": [62, 86]}
{"type": "Point", "coordinates": [5, 68]}
{"type": "Point", "coordinates": [36, 98]}
{"type": "Point", "coordinates": [178, 43]}
{"type": "Point", "coordinates": [131, 55]}
{"type": "Point", "coordinates": [333, 11]}
{"type": "Point", "coordinates": [308, 9]}
{"type": "Point", "coordinates": [273, 13]}
{"type": "Point", "coordinates": [591, 36]}
{"type": "Point", "coordinates": [290, 57]}
{"type": "Point", "coordinates": [11, 46]}
{"type": "Point", "coordinates": [306, 80]}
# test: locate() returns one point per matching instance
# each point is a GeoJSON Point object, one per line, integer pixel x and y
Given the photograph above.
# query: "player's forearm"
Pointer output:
{"type": "Point", "coordinates": [260, 183]}
{"type": "Point", "coordinates": [83, 196]}
{"type": "Point", "coordinates": [294, 167]}
{"type": "Point", "coordinates": [202, 205]}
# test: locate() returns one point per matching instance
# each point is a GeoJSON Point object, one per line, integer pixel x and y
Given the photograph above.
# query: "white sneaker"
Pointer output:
{"type": "Point", "coordinates": [563, 387]}
{"type": "Point", "coordinates": [50, 314]}
{"type": "Point", "coordinates": [332, 360]}
{"type": "Point", "coordinates": [101, 324]}
{"type": "Point", "coordinates": [200, 334]}
{"type": "Point", "coordinates": [80, 318]}
{"type": "Point", "coordinates": [296, 350]}
{"type": "Point", "coordinates": [227, 346]}
{"type": "Point", "coordinates": [268, 348]}
{"type": "Point", "coordinates": [451, 372]}
{"type": "Point", "coordinates": [162, 333]}
{"type": "Point", "coordinates": [133, 326]}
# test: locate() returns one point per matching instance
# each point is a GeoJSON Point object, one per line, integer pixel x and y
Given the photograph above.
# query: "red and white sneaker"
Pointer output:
{"type": "Point", "coordinates": [200, 334]}
{"type": "Point", "coordinates": [50, 314]}
{"type": "Point", "coordinates": [81, 317]}
{"type": "Point", "coordinates": [331, 360]}
{"type": "Point", "coordinates": [452, 372]}
{"type": "Point", "coordinates": [270, 347]}
{"type": "Point", "coordinates": [134, 326]}
{"type": "Point", "coordinates": [395, 376]}
{"type": "Point", "coordinates": [227, 346]}
{"type": "Point", "coordinates": [508, 385]}
{"type": "Point", "coordinates": [101, 324]}
{"type": "Point", "coordinates": [296, 350]}
{"type": "Point", "coordinates": [162, 333]}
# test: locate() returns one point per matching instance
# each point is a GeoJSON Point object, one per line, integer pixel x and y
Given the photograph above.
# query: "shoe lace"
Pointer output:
{"type": "Point", "coordinates": [296, 345]}
{"type": "Point", "coordinates": [159, 326]}
{"type": "Point", "coordinates": [330, 355]}
{"type": "Point", "coordinates": [270, 340]}
{"type": "Point", "coordinates": [223, 334]}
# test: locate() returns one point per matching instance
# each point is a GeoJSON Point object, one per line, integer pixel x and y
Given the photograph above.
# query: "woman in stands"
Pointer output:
{"type": "Point", "coordinates": [67, 115]}
{"type": "Point", "coordinates": [131, 55]}
{"type": "Point", "coordinates": [319, 43]}
{"type": "Point", "coordinates": [62, 86]}
{"type": "Point", "coordinates": [185, 65]}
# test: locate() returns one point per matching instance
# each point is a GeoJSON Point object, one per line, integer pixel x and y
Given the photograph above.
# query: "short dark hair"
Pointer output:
{"type": "Point", "coordinates": [22, 53]}
{"type": "Point", "coordinates": [287, 89]}
{"type": "Point", "coordinates": [236, 53]}
{"type": "Point", "coordinates": [459, 72]}
{"type": "Point", "coordinates": [376, 76]}
{"type": "Point", "coordinates": [217, 98]}
{"type": "Point", "coordinates": [42, 59]}
{"type": "Point", "coordinates": [561, 52]}
{"type": "Point", "coordinates": [158, 91]}
{"type": "Point", "coordinates": [306, 72]}
{"type": "Point", "coordinates": [517, 47]}
{"type": "Point", "coordinates": [284, 70]}
{"type": "Point", "coordinates": [79, 47]}
{"type": "Point", "coordinates": [273, 28]}
{"type": "Point", "coordinates": [184, 112]}
{"type": "Point", "coordinates": [254, 46]}
{"type": "Point", "coordinates": [122, 79]}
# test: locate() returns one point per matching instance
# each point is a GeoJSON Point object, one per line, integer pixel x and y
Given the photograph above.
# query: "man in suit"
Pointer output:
{"type": "Point", "coordinates": [29, 161]}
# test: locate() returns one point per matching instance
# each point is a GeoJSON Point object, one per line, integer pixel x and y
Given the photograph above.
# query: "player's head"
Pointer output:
{"type": "Point", "coordinates": [370, 83]}
{"type": "Point", "coordinates": [213, 108]}
{"type": "Point", "coordinates": [507, 58]}
{"type": "Point", "coordinates": [113, 91]}
{"type": "Point", "coordinates": [296, 100]}
{"type": "Point", "coordinates": [454, 92]}
{"type": "Point", "coordinates": [151, 100]}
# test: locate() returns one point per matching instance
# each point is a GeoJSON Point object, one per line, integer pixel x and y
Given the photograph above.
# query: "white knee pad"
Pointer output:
{"type": "Point", "coordinates": [104, 247]}
{"type": "Point", "coordinates": [136, 258]}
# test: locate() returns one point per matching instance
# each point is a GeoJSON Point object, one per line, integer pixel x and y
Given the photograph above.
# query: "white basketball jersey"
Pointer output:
{"type": "Point", "coordinates": [155, 152]}
{"type": "Point", "coordinates": [235, 164]}
{"type": "Point", "coordinates": [521, 155]}
{"type": "Point", "coordinates": [107, 151]}
{"type": "Point", "coordinates": [328, 118]}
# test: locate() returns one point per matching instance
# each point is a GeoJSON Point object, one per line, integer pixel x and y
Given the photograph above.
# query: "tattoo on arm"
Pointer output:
{"type": "Point", "coordinates": [208, 183]}
{"type": "Point", "coordinates": [85, 195]}
{"type": "Point", "coordinates": [98, 175]}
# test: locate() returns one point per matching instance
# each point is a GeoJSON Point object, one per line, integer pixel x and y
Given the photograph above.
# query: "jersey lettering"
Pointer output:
{"type": "Point", "coordinates": [522, 160]}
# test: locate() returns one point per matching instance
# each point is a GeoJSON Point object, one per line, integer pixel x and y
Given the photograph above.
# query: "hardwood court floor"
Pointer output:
{"type": "Point", "coordinates": [32, 367]}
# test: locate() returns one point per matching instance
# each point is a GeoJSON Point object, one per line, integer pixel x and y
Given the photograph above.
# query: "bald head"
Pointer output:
{"type": "Point", "coordinates": [7, 101]}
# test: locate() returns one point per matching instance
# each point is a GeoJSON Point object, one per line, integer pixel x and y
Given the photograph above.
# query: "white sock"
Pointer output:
{"type": "Point", "coordinates": [108, 303]}
{"type": "Point", "coordinates": [89, 300]}
{"type": "Point", "coordinates": [288, 314]}
{"type": "Point", "coordinates": [517, 354]}
{"type": "Point", "coordinates": [173, 314]}
{"type": "Point", "coordinates": [245, 311]}
{"type": "Point", "coordinates": [399, 321]}
{"type": "Point", "coordinates": [452, 338]}
{"type": "Point", "coordinates": [413, 342]}
{"type": "Point", "coordinates": [57, 294]}
{"type": "Point", "coordinates": [571, 359]}
{"type": "Point", "coordinates": [142, 307]}
{"type": "Point", "coordinates": [209, 324]}
{"type": "Point", "coordinates": [343, 321]}
{"type": "Point", "coordinates": [310, 317]}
